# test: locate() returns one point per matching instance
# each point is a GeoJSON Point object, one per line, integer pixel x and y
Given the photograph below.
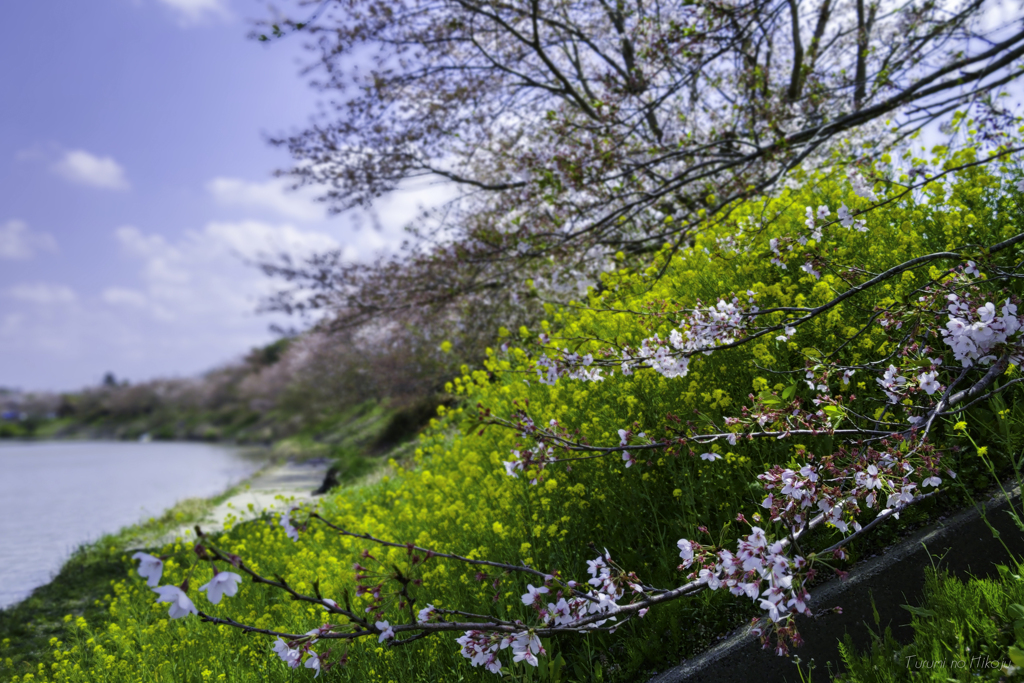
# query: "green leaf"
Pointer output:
{"type": "Point", "coordinates": [919, 611]}
{"type": "Point", "coordinates": [788, 392]}
{"type": "Point", "coordinates": [1016, 656]}
{"type": "Point", "coordinates": [1016, 611]}
{"type": "Point", "coordinates": [555, 668]}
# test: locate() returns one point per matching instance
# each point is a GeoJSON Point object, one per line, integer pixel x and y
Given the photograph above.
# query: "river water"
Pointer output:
{"type": "Point", "coordinates": [55, 496]}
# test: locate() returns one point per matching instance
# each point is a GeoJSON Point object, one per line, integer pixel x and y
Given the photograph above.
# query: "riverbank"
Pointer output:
{"type": "Point", "coordinates": [358, 448]}
{"type": "Point", "coordinates": [371, 425]}
{"type": "Point", "coordinates": [81, 590]}
{"type": "Point", "coordinates": [275, 487]}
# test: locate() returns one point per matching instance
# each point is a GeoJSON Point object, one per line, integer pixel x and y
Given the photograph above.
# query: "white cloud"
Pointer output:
{"type": "Point", "coordinates": [192, 305]}
{"type": "Point", "coordinates": [42, 294]}
{"type": "Point", "coordinates": [18, 242]}
{"type": "Point", "coordinates": [205, 275]}
{"type": "Point", "coordinates": [120, 296]}
{"type": "Point", "coordinates": [195, 11]}
{"type": "Point", "coordinates": [182, 302]}
{"type": "Point", "coordinates": [84, 168]}
{"type": "Point", "coordinates": [394, 211]}
{"type": "Point", "coordinates": [137, 244]}
{"type": "Point", "coordinates": [253, 240]}
{"type": "Point", "coordinates": [273, 195]}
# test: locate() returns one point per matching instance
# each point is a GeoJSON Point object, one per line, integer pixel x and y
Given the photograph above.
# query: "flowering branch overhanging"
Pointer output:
{"type": "Point", "coordinates": [946, 349]}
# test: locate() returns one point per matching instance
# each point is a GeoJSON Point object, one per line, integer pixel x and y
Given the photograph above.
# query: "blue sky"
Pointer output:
{"type": "Point", "coordinates": [134, 181]}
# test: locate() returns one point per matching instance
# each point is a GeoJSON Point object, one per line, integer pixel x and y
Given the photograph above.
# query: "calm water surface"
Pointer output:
{"type": "Point", "coordinates": [54, 496]}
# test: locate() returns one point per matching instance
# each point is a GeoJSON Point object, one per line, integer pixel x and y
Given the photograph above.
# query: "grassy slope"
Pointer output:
{"type": "Point", "coordinates": [26, 628]}
{"type": "Point", "coordinates": [80, 589]}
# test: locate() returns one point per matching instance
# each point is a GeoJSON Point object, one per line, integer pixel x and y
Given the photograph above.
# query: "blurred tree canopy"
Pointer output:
{"type": "Point", "coordinates": [575, 130]}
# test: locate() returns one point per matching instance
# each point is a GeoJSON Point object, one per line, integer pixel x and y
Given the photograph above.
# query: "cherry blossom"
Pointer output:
{"type": "Point", "coordinates": [289, 530]}
{"type": "Point", "coordinates": [313, 662]}
{"type": "Point", "coordinates": [861, 188]}
{"type": "Point", "coordinates": [289, 656]}
{"type": "Point", "coordinates": [685, 551]}
{"type": "Point", "coordinates": [532, 595]}
{"type": "Point", "coordinates": [150, 568]}
{"type": "Point", "coordinates": [386, 631]}
{"type": "Point", "coordinates": [222, 583]}
{"type": "Point", "coordinates": [787, 333]}
{"type": "Point", "coordinates": [809, 269]}
{"type": "Point", "coordinates": [892, 383]}
{"type": "Point", "coordinates": [595, 566]}
{"type": "Point", "coordinates": [181, 604]}
{"type": "Point", "coordinates": [848, 221]}
{"type": "Point", "coordinates": [482, 649]}
{"type": "Point", "coordinates": [560, 612]}
{"type": "Point", "coordinates": [703, 330]}
{"type": "Point", "coordinates": [888, 458]}
{"type": "Point", "coordinates": [524, 459]}
{"type": "Point", "coordinates": [974, 334]}
{"type": "Point", "coordinates": [928, 383]}
{"type": "Point", "coordinates": [869, 479]}
{"type": "Point", "coordinates": [527, 641]}
{"type": "Point", "coordinates": [710, 578]}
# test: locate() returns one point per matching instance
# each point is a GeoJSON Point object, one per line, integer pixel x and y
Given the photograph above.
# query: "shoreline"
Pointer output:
{"type": "Point", "coordinates": [272, 487]}
{"type": "Point", "coordinates": [81, 585]}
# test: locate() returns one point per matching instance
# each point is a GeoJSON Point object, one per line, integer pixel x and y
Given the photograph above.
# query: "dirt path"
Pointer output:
{"type": "Point", "coordinates": [275, 488]}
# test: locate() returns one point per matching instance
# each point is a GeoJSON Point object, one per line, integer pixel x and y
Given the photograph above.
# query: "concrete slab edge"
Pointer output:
{"type": "Point", "coordinates": [831, 593]}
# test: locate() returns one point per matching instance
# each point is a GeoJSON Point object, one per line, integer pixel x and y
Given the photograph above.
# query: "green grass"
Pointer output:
{"type": "Point", "coordinates": [27, 628]}
{"type": "Point", "coordinates": [963, 631]}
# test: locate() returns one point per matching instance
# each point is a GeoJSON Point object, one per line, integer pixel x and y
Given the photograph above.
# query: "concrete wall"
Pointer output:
{"type": "Point", "coordinates": [966, 547]}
